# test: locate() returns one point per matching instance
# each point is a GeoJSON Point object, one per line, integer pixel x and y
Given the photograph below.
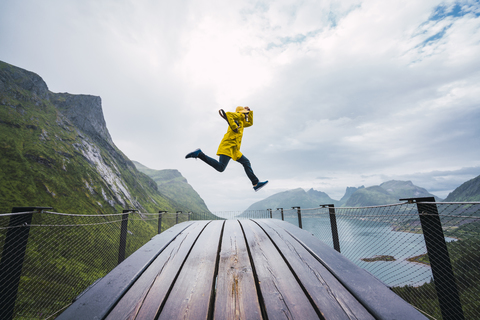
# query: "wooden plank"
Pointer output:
{"type": "Point", "coordinates": [191, 294]}
{"type": "Point", "coordinates": [101, 297]}
{"type": "Point", "coordinates": [157, 279]}
{"type": "Point", "coordinates": [236, 295]}
{"type": "Point", "coordinates": [282, 295]}
{"type": "Point", "coordinates": [375, 296]}
{"type": "Point", "coordinates": [330, 296]}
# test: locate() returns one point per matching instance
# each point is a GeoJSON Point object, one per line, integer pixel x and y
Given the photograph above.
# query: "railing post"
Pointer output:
{"type": "Point", "coordinates": [333, 225]}
{"type": "Point", "coordinates": [443, 277]}
{"type": "Point", "coordinates": [281, 212]}
{"type": "Point", "coordinates": [176, 216]}
{"type": "Point", "coordinates": [13, 254]}
{"type": "Point", "coordinates": [123, 235]}
{"type": "Point", "coordinates": [271, 215]}
{"type": "Point", "coordinates": [188, 215]}
{"type": "Point", "coordinates": [299, 214]}
{"type": "Point", "coordinates": [160, 220]}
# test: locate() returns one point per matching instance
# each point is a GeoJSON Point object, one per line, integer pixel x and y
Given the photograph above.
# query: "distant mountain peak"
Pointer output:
{"type": "Point", "coordinates": [388, 192]}
{"type": "Point", "coordinates": [294, 198]}
{"type": "Point", "coordinates": [348, 193]}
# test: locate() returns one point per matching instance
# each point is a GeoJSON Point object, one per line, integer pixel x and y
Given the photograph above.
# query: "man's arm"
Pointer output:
{"type": "Point", "coordinates": [249, 122]}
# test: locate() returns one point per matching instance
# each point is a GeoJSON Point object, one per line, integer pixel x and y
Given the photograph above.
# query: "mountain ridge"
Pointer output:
{"type": "Point", "coordinates": [467, 191]}
{"type": "Point", "coordinates": [295, 197]}
{"type": "Point", "coordinates": [173, 185]}
{"type": "Point", "coordinates": [56, 151]}
{"type": "Point", "coordinates": [388, 192]}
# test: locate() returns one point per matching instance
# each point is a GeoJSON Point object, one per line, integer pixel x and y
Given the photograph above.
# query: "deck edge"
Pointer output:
{"type": "Point", "coordinates": [373, 294]}
{"type": "Point", "coordinates": [101, 297]}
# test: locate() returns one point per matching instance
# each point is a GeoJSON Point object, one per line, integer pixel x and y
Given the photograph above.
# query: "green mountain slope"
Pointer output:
{"type": "Point", "coordinates": [468, 191]}
{"type": "Point", "coordinates": [172, 184]}
{"type": "Point", "coordinates": [55, 150]}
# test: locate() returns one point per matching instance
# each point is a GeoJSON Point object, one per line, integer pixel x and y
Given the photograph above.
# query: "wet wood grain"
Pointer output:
{"type": "Point", "coordinates": [282, 295]}
{"type": "Point", "coordinates": [329, 295]}
{"type": "Point", "coordinates": [236, 295]}
{"type": "Point", "coordinates": [191, 295]}
{"type": "Point", "coordinates": [157, 279]}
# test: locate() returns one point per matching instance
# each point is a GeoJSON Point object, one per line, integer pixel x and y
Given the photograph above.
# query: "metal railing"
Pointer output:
{"type": "Point", "coordinates": [49, 258]}
{"type": "Point", "coordinates": [428, 253]}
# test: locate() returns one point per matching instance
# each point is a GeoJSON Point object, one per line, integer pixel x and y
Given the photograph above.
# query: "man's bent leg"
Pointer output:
{"type": "Point", "coordinates": [248, 169]}
{"type": "Point", "coordinates": [217, 165]}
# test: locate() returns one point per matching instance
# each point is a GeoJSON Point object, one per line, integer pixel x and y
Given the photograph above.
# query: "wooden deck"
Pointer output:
{"type": "Point", "coordinates": [245, 269]}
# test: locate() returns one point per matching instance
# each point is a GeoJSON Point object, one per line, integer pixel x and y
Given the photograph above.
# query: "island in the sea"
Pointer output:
{"type": "Point", "coordinates": [379, 258]}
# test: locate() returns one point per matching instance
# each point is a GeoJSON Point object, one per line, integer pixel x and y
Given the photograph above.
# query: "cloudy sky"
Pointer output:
{"type": "Point", "coordinates": [344, 92]}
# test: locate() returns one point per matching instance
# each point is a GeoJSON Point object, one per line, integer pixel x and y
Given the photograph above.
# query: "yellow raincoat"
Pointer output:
{"type": "Point", "coordinates": [230, 145]}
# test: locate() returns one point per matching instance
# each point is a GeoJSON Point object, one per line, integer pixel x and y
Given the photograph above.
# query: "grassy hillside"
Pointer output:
{"type": "Point", "coordinates": [172, 184]}
{"type": "Point", "coordinates": [468, 191]}
{"type": "Point", "coordinates": [46, 160]}
{"type": "Point", "coordinates": [55, 151]}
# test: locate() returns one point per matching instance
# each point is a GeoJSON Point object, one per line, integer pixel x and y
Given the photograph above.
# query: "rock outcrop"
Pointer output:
{"type": "Point", "coordinates": [85, 112]}
{"type": "Point", "coordinates": [56, 151]}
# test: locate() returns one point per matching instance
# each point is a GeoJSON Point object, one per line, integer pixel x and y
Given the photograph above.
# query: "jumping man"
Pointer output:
{"type": "Point", "coordinates": [230, 146]}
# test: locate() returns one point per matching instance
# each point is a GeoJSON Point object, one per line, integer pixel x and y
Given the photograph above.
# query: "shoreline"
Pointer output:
{"type": "Point", "coordinates": [418, 259]}
{"type": "Point", "coordinates": [397, 228]}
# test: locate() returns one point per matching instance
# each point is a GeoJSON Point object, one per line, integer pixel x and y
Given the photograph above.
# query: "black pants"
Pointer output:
{"type": "Point", "coordinates": [222, 163]}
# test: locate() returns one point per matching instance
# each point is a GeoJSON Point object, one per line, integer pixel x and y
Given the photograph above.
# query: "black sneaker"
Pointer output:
{"type": "Point", "coordinates": [260, 185]}
{"type": "Point", "coordinates": [193, 154]}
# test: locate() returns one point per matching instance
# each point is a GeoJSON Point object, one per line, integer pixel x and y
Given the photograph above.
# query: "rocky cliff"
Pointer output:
{"type": "Point", "coordinates": [56, 151]}
{"type": "Point", "coordinates": [84, 112]}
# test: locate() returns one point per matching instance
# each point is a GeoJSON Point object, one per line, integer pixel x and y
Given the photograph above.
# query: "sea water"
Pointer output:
{"type": "Point", "coordinates": [367, 239]}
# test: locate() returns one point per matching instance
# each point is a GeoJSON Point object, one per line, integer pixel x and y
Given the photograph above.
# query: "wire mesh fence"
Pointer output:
{"type": "Point", "coordinates": [460, 223]}
{"type": "Point", "coordinates": [67, 253]}
{"type": "Point", "coordinates": [389, 242]}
